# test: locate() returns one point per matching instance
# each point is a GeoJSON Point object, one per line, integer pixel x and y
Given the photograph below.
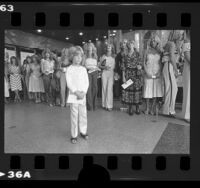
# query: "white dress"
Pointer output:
{"type": "Point", "coordinates": [36, 81]}
{"type": "Point", "coordinates": [186, 86]}
{"type": "Point", "coordinates": [153, 87]}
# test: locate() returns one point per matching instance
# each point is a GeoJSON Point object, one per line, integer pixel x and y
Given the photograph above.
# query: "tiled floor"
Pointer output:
{"type": "Point", "coordinates": [38, 128]}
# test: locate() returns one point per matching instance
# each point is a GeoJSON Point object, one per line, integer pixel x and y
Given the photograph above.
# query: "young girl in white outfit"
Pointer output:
{"type": "Point", "coordinates": [77, 83]}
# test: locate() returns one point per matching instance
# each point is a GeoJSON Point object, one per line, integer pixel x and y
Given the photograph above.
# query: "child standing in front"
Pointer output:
{"type": "Point", "coordinates": [77, 83]}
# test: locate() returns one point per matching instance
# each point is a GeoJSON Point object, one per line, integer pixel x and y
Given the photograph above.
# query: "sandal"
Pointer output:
{"type": "Point", "coordinates": [84, 136]}
{"type": "Point", "coordinates": [73, 140]}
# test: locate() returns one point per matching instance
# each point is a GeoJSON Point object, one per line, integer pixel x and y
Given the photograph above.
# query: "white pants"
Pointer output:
{"type": "Point", "coordinates": [171, 89]}
{"type": "Point", "coordinates": [107, 89]}
{"type": "Point", "coordinates": [186, 92]}
{"type": "Point", "coordinates": [78, 119]}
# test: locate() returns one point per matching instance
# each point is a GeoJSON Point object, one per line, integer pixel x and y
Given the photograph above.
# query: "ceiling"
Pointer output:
{"type": "Point", "coordinates": [73, 35]}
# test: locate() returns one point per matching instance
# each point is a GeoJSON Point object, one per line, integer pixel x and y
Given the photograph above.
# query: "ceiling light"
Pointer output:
{"type": "Point", "coordinates": [80, 33]}
{"type": "Point", "coordinates": [39, 30]}
{"type": "Point", "coordinates": [67, 38]}
{"type": "Point", "coordinates": [97, 39]}
{"type": "Point", "coordinates": [104, 37]}
{"type": "Point", "coordinates": [114, 31]}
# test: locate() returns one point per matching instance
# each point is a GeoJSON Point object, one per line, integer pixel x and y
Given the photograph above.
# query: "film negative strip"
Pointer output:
{"type": "Point", "coordinates": [49, 46]}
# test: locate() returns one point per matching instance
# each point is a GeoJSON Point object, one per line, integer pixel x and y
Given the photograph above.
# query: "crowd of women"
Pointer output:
{"type": "Point", "coordinates": [153, 75]}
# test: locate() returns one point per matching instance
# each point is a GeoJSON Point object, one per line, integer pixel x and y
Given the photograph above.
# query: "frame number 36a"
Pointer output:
{"type": "Point", "coordinates": [6, 8]}
{"type": "Point", "coordinates": [19, 174]}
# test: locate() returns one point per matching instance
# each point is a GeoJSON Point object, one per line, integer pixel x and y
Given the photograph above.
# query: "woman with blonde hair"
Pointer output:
{"type": "Point", "coordinates": [186, 78]}
{"type": "Point", "coordinates": [153, 87]}
{"type": "Point", "coordinates": [107, 64]}
{"type": "Point", "coordinates": [47, 67]}
{"type": "Point", "coordinates": [92, 68]}
{"type": "Point", "coordinates": [170, 72]}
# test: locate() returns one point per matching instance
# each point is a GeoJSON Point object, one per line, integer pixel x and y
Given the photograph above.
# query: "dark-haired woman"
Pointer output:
{"type": "Point", "coordinates": [15, 78]}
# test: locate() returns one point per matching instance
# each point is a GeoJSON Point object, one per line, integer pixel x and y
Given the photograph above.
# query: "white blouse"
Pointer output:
{"type": "Point", "coordinates": [47, 66]}
{"type": "Point", "coordinates": [77, 80]}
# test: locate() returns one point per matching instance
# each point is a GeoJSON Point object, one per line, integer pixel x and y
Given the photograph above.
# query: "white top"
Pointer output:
{"type": "Point", "coordinates": [47, 66]}
{"type": "Point", "coordinates": [77, 80]}
{"type": "Point", "coordinates": [110, 62]}
{"type": "Point", "coordinates": [91, 63]}
{"type": "Point", "coordinates": [153, 64]}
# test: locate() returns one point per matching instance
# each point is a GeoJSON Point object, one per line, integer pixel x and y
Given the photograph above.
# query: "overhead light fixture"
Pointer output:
{"type": "Point", "coordinates": [114, 31]}
{"type": "Point", "coordinates": [80, 33]}
{"type": "Point", "coordinates": [39, 30]}
{"type": "Point", "coordinates": [104, 37]}
{"type": "Point", "coordinates": [67, 38]}
{"type": "Point", "coordinates": [97, 39]}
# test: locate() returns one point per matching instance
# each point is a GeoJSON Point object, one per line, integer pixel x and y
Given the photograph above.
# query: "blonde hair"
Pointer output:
{"type": "Point", "coordinates": [73, 51]}
{"type": "Point", "coordinates": [86, 50]}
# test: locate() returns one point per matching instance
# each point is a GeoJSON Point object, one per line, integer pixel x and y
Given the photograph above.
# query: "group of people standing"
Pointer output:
{"type": "Point", "coordinates": [73, 78]}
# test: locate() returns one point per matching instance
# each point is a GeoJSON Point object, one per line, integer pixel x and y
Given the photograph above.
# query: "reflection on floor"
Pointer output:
{"type": "Point", "coordinates": [38, 128]}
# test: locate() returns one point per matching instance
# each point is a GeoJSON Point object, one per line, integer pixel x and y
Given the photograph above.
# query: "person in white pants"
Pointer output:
{"type": "Point", "coordinates": [77, 83]}
{"type": "Point", "coordinates": [107, 63]}
{"type": "Point", "coordinates": [185, 114]}
{"type": "Point", "coordinates": [170, 73]}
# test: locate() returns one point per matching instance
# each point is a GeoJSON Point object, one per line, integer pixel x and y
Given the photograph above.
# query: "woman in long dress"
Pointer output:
{"type": "Point", "coordinates": [170, 73]}
{"type": "Point", "coordinates": [15, 78]}
{"type": "Point", "coordinates": [186, 79]}
{"type": "Point", "coordinates": [132, 69]}
{"type": "Point", "coordinates": [153, 87]}
{"type": "Point", "coordinates": [36, 85]}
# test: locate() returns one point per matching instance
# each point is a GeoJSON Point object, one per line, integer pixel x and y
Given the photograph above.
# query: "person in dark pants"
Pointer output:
{"type": "Point", "coordinates": [92, 68]}
{"type": "Point", "coordinates": [118, 69]}
{"type": "Point", "coordinates": [48, 66]}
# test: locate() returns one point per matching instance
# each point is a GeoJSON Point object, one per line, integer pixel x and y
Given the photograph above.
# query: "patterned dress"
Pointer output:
{"type": "Point", "coordinates": [132, 94]}
{"type": "Point", "coordinates": [15, 78]}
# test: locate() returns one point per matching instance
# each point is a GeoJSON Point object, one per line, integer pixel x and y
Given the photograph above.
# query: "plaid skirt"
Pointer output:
{"type": "Point", "coordinates": [133, 94]}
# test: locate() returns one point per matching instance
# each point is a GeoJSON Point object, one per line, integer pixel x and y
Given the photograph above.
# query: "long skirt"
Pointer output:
{"type": "Point", "coordinates": [170, 89]}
